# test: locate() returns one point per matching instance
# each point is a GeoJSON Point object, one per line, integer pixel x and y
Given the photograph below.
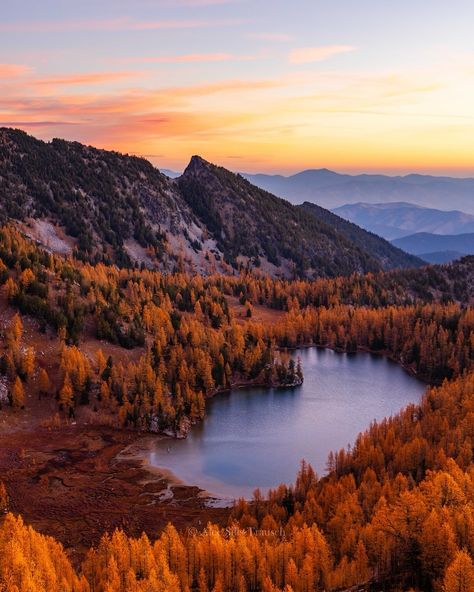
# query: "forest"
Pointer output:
{"type": "Point", "coordinates": [394, 512]}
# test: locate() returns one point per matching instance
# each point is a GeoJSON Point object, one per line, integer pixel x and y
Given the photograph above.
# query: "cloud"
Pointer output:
{"type": "Point", "coordinates": [13, 70]}
{"type": "Point", "coordinates": [86, 79]}
{"type": "Point", "coordinates": [120, 24]}
{"type": "Point", "coordinates": [35, 124]}
{"type": "Point", "coordinates": [186, 58]}
{"type": "Point", "coordinates": [169, 110]}
{"type": "Point", "coordinates": [307, 55]}
{"type": "Point", "coordinates": [270, 36]}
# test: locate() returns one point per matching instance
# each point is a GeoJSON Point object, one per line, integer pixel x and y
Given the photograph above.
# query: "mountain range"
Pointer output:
{"type": "Point", "coordinates": [395, 220]}
{"type": "Point", "coordinates": [105, 206]}
{"type": "Point", "coordinates": [436, 236]}
{"type": "Point", "coordinates": [171, 174]}
{"type": "Point", "coordinates": [436, 248]}
{"type": "Point", "coordinates": [330, 189]}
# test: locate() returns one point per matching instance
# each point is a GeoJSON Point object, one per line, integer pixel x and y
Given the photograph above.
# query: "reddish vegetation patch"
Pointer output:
{"type": "Point", "coordinates": [70, 484]}
{"type": "Point", "coordinates": [260, 314]}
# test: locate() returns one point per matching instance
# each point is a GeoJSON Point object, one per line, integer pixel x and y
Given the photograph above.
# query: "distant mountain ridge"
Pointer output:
{"type": "Point", "coordinates": [437, 248]}
{"type": "Point", "coordinates": [105, 206]}
{"type": "Point", "coordinates": [398, 219]}
{"type": "Point", "coordinates": [171, 174]}
{"type": "Point", "coordinates": [330, 189]}
{"type": "Point", "coordinates": [362, 238]}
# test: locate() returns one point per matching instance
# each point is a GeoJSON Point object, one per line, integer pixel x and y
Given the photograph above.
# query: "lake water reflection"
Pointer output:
{"type": "Point", "coordinates": [257, 437]}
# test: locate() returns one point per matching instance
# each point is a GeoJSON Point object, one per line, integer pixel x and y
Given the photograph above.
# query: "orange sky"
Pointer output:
{"type": "Point", "coordinates": [274, 94]}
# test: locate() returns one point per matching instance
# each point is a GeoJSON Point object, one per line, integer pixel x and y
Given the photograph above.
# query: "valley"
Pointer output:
{"type": "Point", "coordinates": [101, 356]}
{"type": "Point", "coordinates": [236, 296]}
{"type": "Point", "coordinates": [113, 366]}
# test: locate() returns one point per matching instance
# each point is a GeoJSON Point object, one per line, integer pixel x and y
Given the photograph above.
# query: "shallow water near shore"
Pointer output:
{"type": "Point", "coordinates": [257, 437]}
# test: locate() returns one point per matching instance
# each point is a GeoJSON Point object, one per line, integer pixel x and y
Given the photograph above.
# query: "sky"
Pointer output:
{"type": "Point", "coordinates": [254, 85]}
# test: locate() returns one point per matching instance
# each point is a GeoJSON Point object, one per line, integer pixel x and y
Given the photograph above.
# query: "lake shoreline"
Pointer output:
{"type": "Point", "coordinates": [361, 349]}
{"type": "Point", "coordinates": [266, 393]}
{"type": "Point", "coordinates": [138, 453]}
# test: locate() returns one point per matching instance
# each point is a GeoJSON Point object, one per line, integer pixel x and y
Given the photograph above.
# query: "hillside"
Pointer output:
{"type": "Point", "coordinates": [107, 207]}
{"type": "Point", "coordinates": [424, 242]}
{"type": "Point", "coordinates": [377, 246]}
{"type": "Point", "coordinates": [330, 189]}
{"type": "Point", "coordinates": [440, 257]}
{"type": "Point", "coordinates": [75, 405]}
{"type": "Point", "coordinates": [396, 220]}
{"type": "Point", "coordinates": [113, 207]}
{"type": "Point", "coordinates": [252, 225]}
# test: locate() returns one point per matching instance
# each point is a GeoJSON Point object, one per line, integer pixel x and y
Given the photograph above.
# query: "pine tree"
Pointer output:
{"type": "Point", "coordinates": [43, 382]}
{"type": "Point", "coordinates": [459, 576]}
{"type": "Point", "coordinates": [66, 394]}
{"type": "Point", "coordinates": [18, 394]}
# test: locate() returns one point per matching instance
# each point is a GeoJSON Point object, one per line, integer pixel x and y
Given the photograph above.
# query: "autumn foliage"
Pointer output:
{"type": "Point", "coordinates": [396, 510]}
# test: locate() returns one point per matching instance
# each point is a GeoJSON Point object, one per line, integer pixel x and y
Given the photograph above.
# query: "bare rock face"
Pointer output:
{"type": "Point", "coordinates": [3, 390]}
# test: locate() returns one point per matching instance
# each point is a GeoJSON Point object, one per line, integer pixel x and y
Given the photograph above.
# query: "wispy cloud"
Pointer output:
{"type": "Point", "coordinates": [86, 78]}
{"type": "Point", "coordinates": [307, 55]}
{"type": "Point", "coordinates": [13, 70]}
{"type": "Point", "coordinates": [186, 58]}
{"type": "Point", "coordinates": [120, 24]}
{"type": "Point", "coordinates": [282, 37]}
{"type": "Point", "coordinates": [36, 124]}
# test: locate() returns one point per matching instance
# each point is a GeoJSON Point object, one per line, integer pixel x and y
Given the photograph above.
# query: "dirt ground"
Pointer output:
{"type": "Point", "coordinates": [260, 314]}
{"type": "Point", "coordinates": [78, 482]}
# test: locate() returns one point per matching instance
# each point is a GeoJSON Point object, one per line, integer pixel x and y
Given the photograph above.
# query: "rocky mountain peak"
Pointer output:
{"type": "Point", "coordinates": [196, 165]}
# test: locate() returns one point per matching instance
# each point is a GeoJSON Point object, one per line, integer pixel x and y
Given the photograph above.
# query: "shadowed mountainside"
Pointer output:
{"type": "Point", "coordinates": [107, 207]}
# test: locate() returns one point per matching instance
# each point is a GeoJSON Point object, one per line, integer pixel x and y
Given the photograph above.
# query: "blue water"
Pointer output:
{"type": "Point", "coordinates": [257, 437]}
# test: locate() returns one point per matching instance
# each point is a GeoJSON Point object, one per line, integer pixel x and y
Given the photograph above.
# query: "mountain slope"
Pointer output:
{"type": "Point", "coordinates": [441, 257]}
{"type": "Point", "coordinates": [395, 220]}
{"type": "Point", "coordinates": [391, 256]}
{"type": "Point", "coordinates": [330, 189]}
{"type": "Point", "coordinates": [105, 206]}
{"type": "Point", "coordinates": [101, 199]}
{"type": "Point", "coordinates": [251, 224]}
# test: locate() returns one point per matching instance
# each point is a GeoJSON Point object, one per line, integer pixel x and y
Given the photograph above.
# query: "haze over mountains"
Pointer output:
{"type": "Point", "coordinates": [105, 206]}
{"type": "Point", "coordinates": [390, 207]}
{"type": "Point", "coordinates": [434, 235]}
{"type": "Point", "coordinates": [436, 248]}
{"type": "Point", "coordinates": [330, 189]}
{"type": "Point", "coordinates": [398, 219]}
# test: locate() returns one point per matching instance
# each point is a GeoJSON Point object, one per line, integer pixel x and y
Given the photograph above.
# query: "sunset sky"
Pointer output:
{"type": "Point", "coordinates": [254, 85]}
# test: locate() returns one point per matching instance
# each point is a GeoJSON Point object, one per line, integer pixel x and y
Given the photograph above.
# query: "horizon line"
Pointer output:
{"type": "Point", "coordinates": [353, 172]}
